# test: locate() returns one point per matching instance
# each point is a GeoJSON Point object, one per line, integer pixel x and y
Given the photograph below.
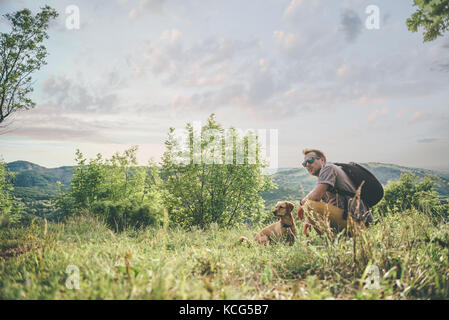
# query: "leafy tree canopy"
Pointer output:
{"type": "Point", "coordinates": [432, 15]}
{"type": "Point", "coordinates": [213, 178]}
{"type": "Point", "coordinates": [22, 53]}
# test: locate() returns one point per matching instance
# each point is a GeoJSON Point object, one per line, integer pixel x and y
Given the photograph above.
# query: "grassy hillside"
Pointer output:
{"type": "Point", "coordinates": [36, 261]}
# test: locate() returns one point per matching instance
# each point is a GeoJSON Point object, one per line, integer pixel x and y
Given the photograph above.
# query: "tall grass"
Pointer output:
{"type": "Point", "coordinates": [409, 250]}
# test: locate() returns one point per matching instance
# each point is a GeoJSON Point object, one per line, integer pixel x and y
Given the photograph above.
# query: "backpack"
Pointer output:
{"type": "Point", "coordinates": [372, 190]}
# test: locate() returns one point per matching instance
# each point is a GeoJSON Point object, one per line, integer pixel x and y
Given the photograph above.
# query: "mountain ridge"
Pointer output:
{"type": "Point", "coordinates": [35, 185]}
{"type": "Point", "coordinates": [383, 171]}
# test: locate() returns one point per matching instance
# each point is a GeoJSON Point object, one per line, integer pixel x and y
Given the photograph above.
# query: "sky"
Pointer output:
{"type": "Point", "coordinates": [319, 72]}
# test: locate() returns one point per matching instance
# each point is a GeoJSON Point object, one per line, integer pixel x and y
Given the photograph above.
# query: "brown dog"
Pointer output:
{"type": "Point", "coordinates": [284, 229]}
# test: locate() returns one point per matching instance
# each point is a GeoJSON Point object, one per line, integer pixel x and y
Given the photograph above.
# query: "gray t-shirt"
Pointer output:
{"type": "Point", "coordinates": [335, 177]}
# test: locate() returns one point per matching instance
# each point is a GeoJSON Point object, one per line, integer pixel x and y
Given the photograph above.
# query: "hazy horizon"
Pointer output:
{"type": "Point", "coordinates": [442, 170]}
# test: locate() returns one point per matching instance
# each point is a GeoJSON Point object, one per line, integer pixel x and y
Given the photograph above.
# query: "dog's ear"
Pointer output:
{"type": "Point", "coordinates": [290, 206]}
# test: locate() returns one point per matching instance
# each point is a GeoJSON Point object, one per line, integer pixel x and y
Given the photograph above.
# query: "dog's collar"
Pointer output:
{"type": "Point", "coordinates": [286, 225]}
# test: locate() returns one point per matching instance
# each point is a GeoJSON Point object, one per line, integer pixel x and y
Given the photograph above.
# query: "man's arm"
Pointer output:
{"type": "Point", "coordinates": [317, 193]}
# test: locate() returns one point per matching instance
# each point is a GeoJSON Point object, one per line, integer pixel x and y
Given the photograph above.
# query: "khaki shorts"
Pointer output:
{"type": "Point", "coordinates": [323, 209]}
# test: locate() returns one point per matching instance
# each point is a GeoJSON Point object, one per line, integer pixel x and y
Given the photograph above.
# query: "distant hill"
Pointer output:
{"type": "Point", "coordinates": [35, 184]}
{"type": "Point", "coordinates": [29, 174]}
{"type": "Point", "coordinates": [295, 183]}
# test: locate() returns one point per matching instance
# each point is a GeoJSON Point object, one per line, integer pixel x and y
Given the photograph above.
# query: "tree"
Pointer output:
{"type": "Point", "coordinates": [21, 54]}
{"type": "Point", "coordinates": [432, 15]}
{"type": "Point", "coordinates": [206, 183]}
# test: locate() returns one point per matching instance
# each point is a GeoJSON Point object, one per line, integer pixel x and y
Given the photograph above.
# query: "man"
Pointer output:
{"type": "Point", "coordinates": [325, 198]}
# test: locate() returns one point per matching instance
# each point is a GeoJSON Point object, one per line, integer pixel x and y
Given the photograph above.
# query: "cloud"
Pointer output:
{"type": "Point", "coordinates": [445, 44]}
{"type": "Point", "coordinates": [4, 3]}
{"type": "Point", "coordinates": [401, 112]}
{"type": "Point", "coordinates": [427, 140]}
{"type": "Point", "coordinates": [386, 18]}
{"type": "Point", "coordinates": [70, 94]}
{"type": "Point", "coordinates": [134, 124]}
{"type": "Point", "coordinates": [286, 42]}
{"type": "Point", "coordinates": [204, 63]}
{"type": "Point", "coordinates": [48, 123]}
{"type": "Point", "coordinates": [376, 114]}
{"type": "Point", "coordinates": [351, 24]}
{"type": "Point", "coordinates": [297, 10]}
{"type": "Point", "coordinates": [144, 6]}
{"type": "Point", "coordinates": [444, 66]}
{"type": "Point", "coordinates": [420, 116]}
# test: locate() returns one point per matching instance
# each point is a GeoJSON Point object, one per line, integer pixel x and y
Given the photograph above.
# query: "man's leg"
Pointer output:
{"type": "Point", "coordinates": [323, 209]}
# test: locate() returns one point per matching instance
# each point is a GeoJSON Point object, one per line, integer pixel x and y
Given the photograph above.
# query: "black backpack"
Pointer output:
{"type": "Point", "coordinates": [372, 190]}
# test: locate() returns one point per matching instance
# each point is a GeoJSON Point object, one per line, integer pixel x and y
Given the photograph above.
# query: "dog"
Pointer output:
{"type": "Point", "coordinates": [284, 229]}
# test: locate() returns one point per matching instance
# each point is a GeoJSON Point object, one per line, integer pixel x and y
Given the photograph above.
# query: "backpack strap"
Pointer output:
{"type": "Point", "coordinates": [336, 191]}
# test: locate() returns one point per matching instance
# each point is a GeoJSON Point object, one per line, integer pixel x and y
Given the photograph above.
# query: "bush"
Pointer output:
{"type": "Point", "coordinates": [122, 193]}
{"type": "Point", "coordinates": [10, 209]}
{"type": "Point", "coordinates": [410, 193]}
{"type": "Point", "coordinates": [125, 214]}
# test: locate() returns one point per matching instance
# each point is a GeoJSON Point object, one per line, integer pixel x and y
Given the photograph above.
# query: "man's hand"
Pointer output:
{"type": "Point", "coordinates": [307, 225]}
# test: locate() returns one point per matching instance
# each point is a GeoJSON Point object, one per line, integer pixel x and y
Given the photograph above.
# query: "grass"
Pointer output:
{"type": "Point", "coordinates": [410, 253]}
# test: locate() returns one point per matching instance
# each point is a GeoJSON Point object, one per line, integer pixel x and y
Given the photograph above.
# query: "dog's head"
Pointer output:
{"type": "Point", "coordinates": [283, 208]}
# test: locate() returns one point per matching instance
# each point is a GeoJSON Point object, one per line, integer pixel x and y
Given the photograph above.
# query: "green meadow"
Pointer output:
{"type": "Point", "coordinates": [84, 259]}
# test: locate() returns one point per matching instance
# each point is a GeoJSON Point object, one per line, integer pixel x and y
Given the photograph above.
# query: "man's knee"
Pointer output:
{"type": "Point", "coordinates": [321, 209]}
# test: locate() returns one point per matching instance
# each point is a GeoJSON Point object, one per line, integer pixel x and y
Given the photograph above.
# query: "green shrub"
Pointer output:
{"type": "Point", "coordinates": [125, 214]}
{"type": "Point", "coordinates": [407, 193]}
{"type": "Point", "coordinates": [10, 209]}
{"type": "Point", "coordinates": [117, 190]}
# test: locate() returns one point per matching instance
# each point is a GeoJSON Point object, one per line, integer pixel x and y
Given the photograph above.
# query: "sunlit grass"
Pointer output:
{"type": "Point", "coordinates": [169, 263]}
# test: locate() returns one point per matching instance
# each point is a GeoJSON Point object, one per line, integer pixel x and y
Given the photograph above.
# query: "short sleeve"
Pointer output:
{"type": "Point", "coordinates": [328, 175]}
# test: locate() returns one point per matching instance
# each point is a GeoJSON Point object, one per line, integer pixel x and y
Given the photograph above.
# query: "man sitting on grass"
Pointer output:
{"type": "Point", "coordinates": [329, 197]}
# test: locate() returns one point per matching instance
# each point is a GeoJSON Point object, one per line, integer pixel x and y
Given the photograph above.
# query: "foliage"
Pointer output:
{"type": "Point", "coordinates": [116, 189]}
{"type": "Point", "coordinates": [34, 185]}
{"type": "Point", "coordinates": [408, 192]}
{"type": "Point", "coordinates": [10, 209]}
{"type": "Point", "coordinates": [210, 180]}
{"type": "Point", "coordinates": [432, 15]}
{"type": "Point", "coordinates": [21, 54]}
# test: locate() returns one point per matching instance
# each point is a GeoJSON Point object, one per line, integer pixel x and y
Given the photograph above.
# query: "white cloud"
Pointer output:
{"type": "Point", "coordinates": [286, 42]}
{"type": "Point", "coordinates": [376, 114]}
{"type": "Point", "coordinates": [144, 6]}
{"type": "Point", "coordinates": [172, 36]}
{"type": "Point", "coordinates": [298, 9]}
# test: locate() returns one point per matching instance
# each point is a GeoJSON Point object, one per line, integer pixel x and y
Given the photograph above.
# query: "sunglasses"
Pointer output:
{"type": "Point", "coordinates": [309, 161]}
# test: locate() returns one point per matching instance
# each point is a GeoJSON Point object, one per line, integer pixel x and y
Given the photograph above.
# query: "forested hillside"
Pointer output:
{"type": "Point", "coordinates": [36, 185]}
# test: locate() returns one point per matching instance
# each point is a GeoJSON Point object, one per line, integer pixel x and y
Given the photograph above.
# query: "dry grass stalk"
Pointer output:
{"type": "Point", "coordinates": [128, 255]}
{"type": "Point", "coordinates": [356, 229]}
{"type": "Point", "coordinates": [321, 223]}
